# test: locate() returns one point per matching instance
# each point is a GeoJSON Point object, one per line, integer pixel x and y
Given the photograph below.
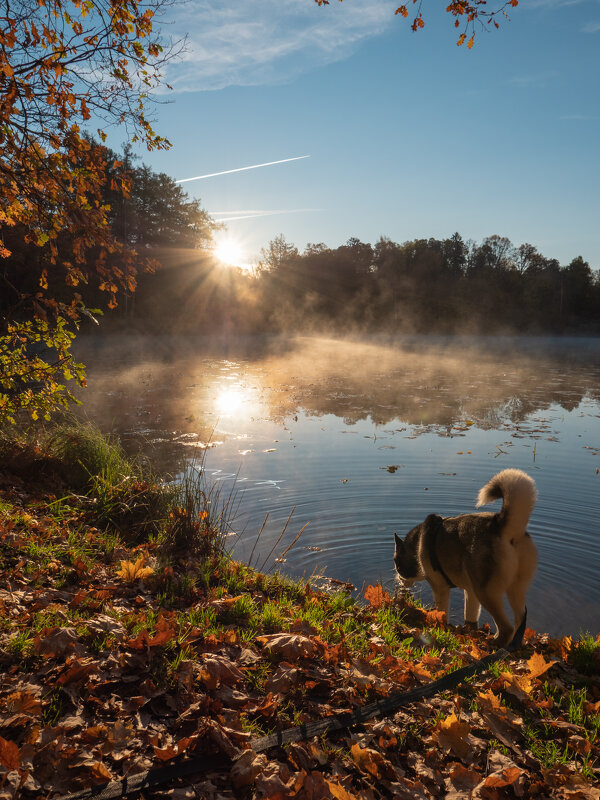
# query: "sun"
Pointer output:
{"type": "Point", "coordinates": [229, 252]}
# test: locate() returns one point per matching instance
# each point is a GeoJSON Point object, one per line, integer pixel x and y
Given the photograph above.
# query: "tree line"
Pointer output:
{"type": "Point", "coordinates": [430, 285]}
{"type": "Point", "coordinates": [423, 285]}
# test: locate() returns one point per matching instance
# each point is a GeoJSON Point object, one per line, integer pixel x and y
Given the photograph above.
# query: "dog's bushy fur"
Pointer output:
{"type": "Point", "coordinates": [486, 554]}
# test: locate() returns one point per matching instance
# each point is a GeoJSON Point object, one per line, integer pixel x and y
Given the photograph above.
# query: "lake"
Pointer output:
{"type": "Point", "coordinates": [364, 438]}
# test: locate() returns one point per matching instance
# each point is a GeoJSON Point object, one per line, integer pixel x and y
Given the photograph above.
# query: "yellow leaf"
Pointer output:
{"type": "Point", "coordinates": [131, 571]}
{"type": "Point", "coordinates": [453, 734]}
{"type": "Point", "coordinates": [339, 792]}
{"type": "Point", "coordinates": [518, 685]}
{"type": "Point", "coordinates": [538, 665]}
{"type": "Point", "coordinates": [366, 759]}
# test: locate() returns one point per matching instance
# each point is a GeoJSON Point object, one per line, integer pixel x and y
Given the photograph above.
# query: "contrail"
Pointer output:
{"type": "Point", "coordinates": [253, 214]}
{"type": "Point", "coordinates": [240, 169]}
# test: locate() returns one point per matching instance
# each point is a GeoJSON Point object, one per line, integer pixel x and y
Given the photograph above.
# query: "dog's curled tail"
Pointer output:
{"type": "Point", "coordinates": [518, 494]}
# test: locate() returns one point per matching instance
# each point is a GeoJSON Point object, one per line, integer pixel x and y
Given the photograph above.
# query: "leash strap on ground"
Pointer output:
{"type": "Point", "coordinates": [338, 722]}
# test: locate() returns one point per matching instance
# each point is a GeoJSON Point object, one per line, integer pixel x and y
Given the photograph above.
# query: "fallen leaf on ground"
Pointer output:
{"type": "Point", "coordinates": [289, 646]}
{"type": "Point", "coordinates": [9, 754]}
{"type": "Point", "coordinates": [452, 734]}
{"type": "Point", "coordinates": [131, 571]}
{"type": "Point", "coordinates": [247, 767]}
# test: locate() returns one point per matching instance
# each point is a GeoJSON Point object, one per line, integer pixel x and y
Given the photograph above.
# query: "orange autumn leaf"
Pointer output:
{"type": "Point", "coordinates": [592, 708]}
{"type": "Point", "coordinates": [164, 633]}
{"type": "Point", "coordinates": [419, 671]}
{"type": "Point", "coordinates": [24, 702]}
{"type": "Point", "coordinates": [434, 618]}
{"type": "Point", "coordinates": [99, 772]}
{"type": "Point", "coordinates": [490, 700]}
{"type": "Point", "coordinates": [518, 685]}
{"type": "Point", "coordinates": [339, 792]}
{"type": "Point", "coordinates": [464, 778]}
{"type": "Point", "coordinates": [165, 753]}
{"type": "Point", "coordinates": [476, 652]}
{"type": "Point", "coordinates": [9, 754]}
{"type": "Point", "coordinates": [376, 596]}
{"type": "Point", "coordinates": [522, 685]}
{"type": "Point", "coordinates": [538, 665]}
{"type": "Point", "coordinates": [506, 777]}
{"type": "Point", "coordinates": [452, 734]}
{"type": "Point", "coordinates": [366, 759]}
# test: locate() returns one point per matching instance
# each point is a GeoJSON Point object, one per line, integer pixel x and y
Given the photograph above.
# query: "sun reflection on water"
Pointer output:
{"type": "Point", "coordinates": [234, 401]}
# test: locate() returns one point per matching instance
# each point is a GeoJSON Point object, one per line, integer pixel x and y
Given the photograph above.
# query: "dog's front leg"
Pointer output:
{"type": "Point", "coordinates": [472, 609]}
{"type": "Point", "coordinates": [441, 595]}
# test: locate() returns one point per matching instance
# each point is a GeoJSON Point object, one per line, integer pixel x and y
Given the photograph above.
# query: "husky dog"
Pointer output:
{"type": "Point", "coordinates": [485, 554]}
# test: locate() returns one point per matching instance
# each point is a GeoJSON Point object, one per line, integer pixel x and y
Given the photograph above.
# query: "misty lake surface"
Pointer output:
{"type": "Point", "coordinates": [367, 438]}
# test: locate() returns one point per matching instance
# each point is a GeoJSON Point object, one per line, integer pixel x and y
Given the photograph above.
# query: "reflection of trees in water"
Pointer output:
{"type": "Point", "coordinates": [433, 389]}
{"type": "Point", "coordinates": [175, 388]}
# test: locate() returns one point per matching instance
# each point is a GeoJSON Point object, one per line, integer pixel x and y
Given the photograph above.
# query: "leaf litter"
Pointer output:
{"type": "Point", "coordinates": [113, 664]}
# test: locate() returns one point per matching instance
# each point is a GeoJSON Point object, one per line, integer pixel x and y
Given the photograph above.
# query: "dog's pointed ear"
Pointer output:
{"type": "Point", "coordinates": [399, 542]}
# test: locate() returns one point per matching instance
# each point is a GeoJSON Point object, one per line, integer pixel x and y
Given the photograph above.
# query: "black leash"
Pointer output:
{"type": "Point", "coordinates": [338, 722]}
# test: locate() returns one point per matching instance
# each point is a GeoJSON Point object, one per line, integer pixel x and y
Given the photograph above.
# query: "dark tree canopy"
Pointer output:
{"type": "Point", "coordinates": [65, 65]}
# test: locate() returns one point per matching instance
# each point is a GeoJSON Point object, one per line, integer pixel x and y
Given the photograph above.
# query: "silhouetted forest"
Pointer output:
{"type": "Point", "coordinates": [429, 285]}
{"type": "Point", "coordinates": [426, 285]}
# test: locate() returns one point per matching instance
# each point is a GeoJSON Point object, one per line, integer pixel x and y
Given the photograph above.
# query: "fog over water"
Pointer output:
{"type": "Point", "coordinates": [367, 437]}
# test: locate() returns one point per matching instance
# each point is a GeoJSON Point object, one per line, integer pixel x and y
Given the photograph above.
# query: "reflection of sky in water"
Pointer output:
{"type": "Point", "coordinates": [364, 440]}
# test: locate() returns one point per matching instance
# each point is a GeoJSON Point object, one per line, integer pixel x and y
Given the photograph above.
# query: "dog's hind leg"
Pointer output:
{"type": "Point", "coordinates": [472, 608]}
{"type": "Point", "coordinates": [517, 639]}
{"type": "Point", "coordinates": [516, 592]}
{"type": "Point", "coordinates": [494, 605]}
{"type": "Point", "coordinates": [516, 598]}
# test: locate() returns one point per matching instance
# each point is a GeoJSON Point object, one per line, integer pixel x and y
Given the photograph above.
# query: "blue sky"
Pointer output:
{"type": "Point", "coordinates": [408, 135]}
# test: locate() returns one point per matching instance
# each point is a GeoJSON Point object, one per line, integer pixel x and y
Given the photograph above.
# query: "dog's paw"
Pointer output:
{"type": "Point", "coordinates": [503, 637]}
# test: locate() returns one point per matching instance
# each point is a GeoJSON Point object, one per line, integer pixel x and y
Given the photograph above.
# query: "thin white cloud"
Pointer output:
{"type": "Point", "coordinates": [253, 42]}
{"type": "Point", "coordinates": [591, 27]}
{"type": "Point", "coordinates": [550, 4]}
